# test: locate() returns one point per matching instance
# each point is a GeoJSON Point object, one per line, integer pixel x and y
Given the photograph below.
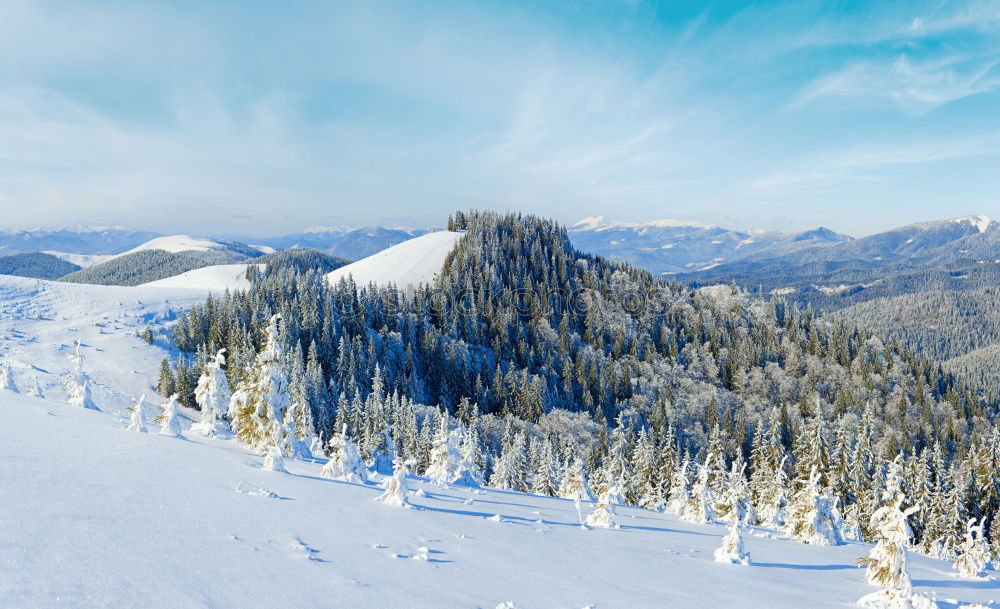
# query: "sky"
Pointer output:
{"type": "Point", "coordinates": [265, 117]}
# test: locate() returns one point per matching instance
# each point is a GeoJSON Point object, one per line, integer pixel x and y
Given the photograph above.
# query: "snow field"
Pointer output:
{"type": "Point", "coordinates": [95, 515]}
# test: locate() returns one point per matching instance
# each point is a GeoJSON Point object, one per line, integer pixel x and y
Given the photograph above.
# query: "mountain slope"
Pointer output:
{"type": "Point", "coordinates": [76, 240]}
{"type": "Point", "coordinates": [408, 264]}
{"type": "Point", "coordinates": [349, 243]}
{"type": "Point", "coordinates": [162, 525]}
{"type": "Point", "coordinates": [35, 264]}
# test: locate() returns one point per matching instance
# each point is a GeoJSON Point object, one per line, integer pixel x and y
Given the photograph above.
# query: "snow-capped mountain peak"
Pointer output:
{"type": "Point", "coordinates": [981, 222]}
{"type": "Point", "coordinates": [178, 243]}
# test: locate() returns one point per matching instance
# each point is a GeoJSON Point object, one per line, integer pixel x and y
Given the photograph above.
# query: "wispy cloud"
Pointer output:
{"type": "Point", "coordinates": [866, 163]}
{"type": "Point", "coordinates": [916, 88]}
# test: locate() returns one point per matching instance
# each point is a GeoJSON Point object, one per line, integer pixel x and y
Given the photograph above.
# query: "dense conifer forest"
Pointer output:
{"type": "Point", "coordinates": [554, 365]}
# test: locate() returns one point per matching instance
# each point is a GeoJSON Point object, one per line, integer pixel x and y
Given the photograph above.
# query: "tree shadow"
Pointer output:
{"type": "Point", "coordinates": [978, 584]}
{"type": "Point", "coordinates": [781, 565]}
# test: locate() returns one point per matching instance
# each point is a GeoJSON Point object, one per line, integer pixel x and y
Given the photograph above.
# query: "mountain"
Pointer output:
{"type": "Point", "coordinates": [405, 265]}
{"type": "Point", "coordinates": [35, 264]}
{"type": "Point", "coordinates": [956, 246]}
{"type": "Point", "coordinates": [674, 246]}
{"type": "Point", "coordinates": [75, 240]}
{"type": "Point", "coordinates": [349, 243]}
{"type": "Point", "coordinates": [163, 257]}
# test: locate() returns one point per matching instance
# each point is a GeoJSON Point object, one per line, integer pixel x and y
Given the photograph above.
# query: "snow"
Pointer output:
{"type": "Point", "coordinates": [81, 260]}
{"type": "Point", "coordinates": [40, 321]}
{"type": "Point", "coordinates": [599, 223]}
{"type": "Point", "coordinates": [407, 264]}
{"type": "Point", "coordinates": [979, 221]}
{"type": "Point", "coordinates": [92, 514]}
{"type": "Point", "coordinates": [95, 515]}
{"type": "Point", "coordinates": [218, 277]}
{"type": "Point", "coordinates": [177, 243]}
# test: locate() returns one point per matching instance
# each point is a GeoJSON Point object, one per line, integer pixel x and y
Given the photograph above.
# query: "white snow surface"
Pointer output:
{"type": "Point", "coordinates": [982, 223]}
{"type": "Point", "coordinates": [216, 278]}
{"type": "Point", "coordinates": [81, 260]}
{"type": "Point", "coordinates": [406, 265]}
{"type": "Point", "coordinates": [40, 321]}
{"type": "Point", "coordinates": [177, 243]}
{"type": "Point", "coordinates": [599, 223]}
{"type": "Point", "coordinates": [93, 515]}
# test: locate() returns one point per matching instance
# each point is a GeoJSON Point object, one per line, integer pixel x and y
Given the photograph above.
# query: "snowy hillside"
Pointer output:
{"type": "Point", "coordinates": [410, 263]}
{"type": "Point", "coordinates": [162, 522]}
{"type": "Point", "coordinates": [81, 260]}
{"type": "Point", "coordinates": [177, 243]}
{"type": "Point", "coordinates": [219, 277]}
{"type": "Point", "coordinates": [40, 321]}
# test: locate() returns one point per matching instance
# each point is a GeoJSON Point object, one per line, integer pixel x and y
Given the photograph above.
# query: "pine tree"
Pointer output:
{"type": "Point", "coordinates": [212, 396]}
{"type": "Point", "coordinates": [273, 461]}
{"type": "Point", "coordinates": [731, 551]}
{"type": "Point", "coordinates": [137, 419]}
{"type": "Point", "coordinates": [170, 425]}
{"type": "Point", "coordinates": [603, 515]}
{"type": "Point", "coordinates": [36, 389]}
{"type": "Point", "coordinates": [77, 385]}
{"type": "Point", "coordinates": [543, 468]}
{"type": "Point", "coordinates": [886, 563]}
{"type": "Point", "coordinates": [973, 555]}
{"type": "Point", "coordinates": [6, 377]}
{"type": "Point", "coordinates": [812, 515]}
{"type": "Point", "coordinates": [700, 507]}
{"type": "Point", "coordinates": [736, 506]}
{"type": "Point", "coordinates": [345, 463]}
{"type": "Point", "coordinates": [257, 407]}
{"type": "Point", "coordinates": [773, 511]}
{"type": "Point", "coordinates": [574, 482]}
{"type": "Point", "coordinates": [167, 384]}
{"type": "Point", "coordinates": [395, 490]}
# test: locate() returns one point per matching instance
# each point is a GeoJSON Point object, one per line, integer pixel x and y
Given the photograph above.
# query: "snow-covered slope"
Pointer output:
{"type": "Point", "coordinates": [219, 278]}
{"type": "Point", "coordinates": [408, 264]}
{"type": "Point", "coordinates": [94, 515]}
{"type": "Point", "coordinates": [81, 260]}
{"type": "Point", "coordinates": [40, 321]}
{"type": "Point", "coordinates": [178, 243]}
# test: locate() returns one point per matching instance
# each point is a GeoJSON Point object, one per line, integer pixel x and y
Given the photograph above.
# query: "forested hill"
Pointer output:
{"type": "Point", "coordinates": [605, 362]}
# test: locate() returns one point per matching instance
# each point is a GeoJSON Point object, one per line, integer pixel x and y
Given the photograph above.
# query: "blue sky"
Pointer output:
{"type": "Point", "coordinates": [268, 117]}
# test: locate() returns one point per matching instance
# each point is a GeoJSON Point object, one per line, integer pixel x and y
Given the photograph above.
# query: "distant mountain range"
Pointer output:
{"type": "Point", "coordinates": [674, 246]}
{"type": "Point", "coordinates": [76, 243]}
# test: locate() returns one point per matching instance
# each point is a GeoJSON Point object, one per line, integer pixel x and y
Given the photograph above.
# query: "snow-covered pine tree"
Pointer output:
{"type": "Point", "coordinates": [36, 389]}
{"type": "Point", "coordinates": [439, 470]}
{"type": "Point", "coordinates": [813, 516]}
{"type": "Point", "coordinates": [509, 471]}
{"type": "Point", "coordinates": [395, 490]}
{"type": "Point", "coordinates": [603, 515]}
{"type": "Point", "coordinates": [345, 463]}
{"type": "Point", "coordinates": [731, 550]}
{"type": "Point", "coordinates": [680, 493]}
{"type": "Point", "coordinates": [886, 563]}
{"type": "Point", "coordinates": [700, 507]}
{"type": "Point", "coordinates": [257, 408]}
{"type": "Point", "coordinates": [137, 420]}
{"type": "Point", "coordinates": [469, 472]}
{"type": "Point", "coordinates": [735, 504]}
{"type": "Point", "coordinates": [972, 555]}
{"type": "Point", "coordinates": [385, 453]}
{"type": "Point", "coordinates": [574, 484]}
{"type": "Point", "coordinates": [6, 377]}
{"type": "Point", "coordinates": [645, 473]}
{"type": "Point", "coordinates": [77, 385]}
{"type": "Point", "coordinates": [170, 425]}
{"type": "Point", "coordinates": [273, 461]}
{"type": "Point", "coordinates": [543, 476]}
{"type": "Point", "coordinates": [773, 511]}
{"type": "Point", "coordinates": [212, 395]}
